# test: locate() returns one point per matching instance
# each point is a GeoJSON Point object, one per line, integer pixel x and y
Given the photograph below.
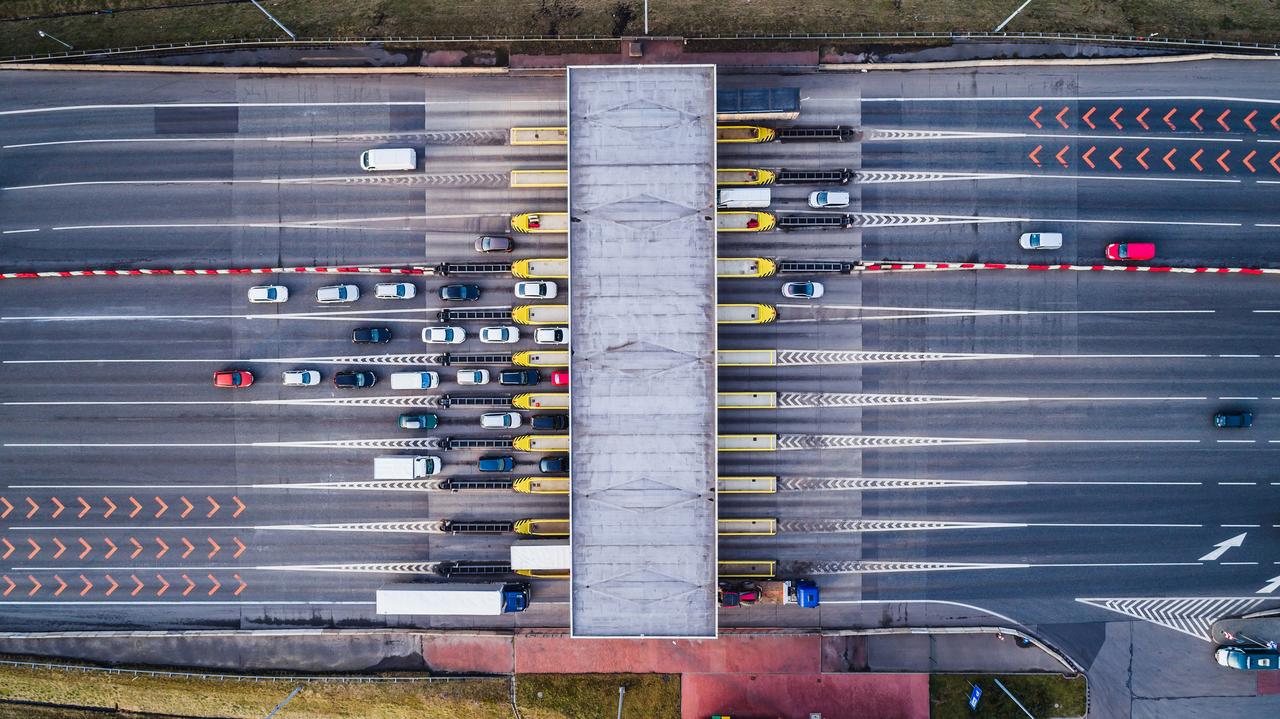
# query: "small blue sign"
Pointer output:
{"type": "Point", "coordinates": [974, 696]}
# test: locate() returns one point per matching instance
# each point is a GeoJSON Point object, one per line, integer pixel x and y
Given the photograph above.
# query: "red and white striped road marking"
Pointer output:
{"type": "Point", "coordinates": [230, 271]}
{"type": "Point", "coordinates": [937, 266]}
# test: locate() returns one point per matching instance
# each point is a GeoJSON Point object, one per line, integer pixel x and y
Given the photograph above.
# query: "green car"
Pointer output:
{"type": "Point", "coordinates": [419, 421]}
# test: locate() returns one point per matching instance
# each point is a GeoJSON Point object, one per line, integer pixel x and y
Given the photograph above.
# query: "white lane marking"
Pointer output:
{"type": "Point", "coordinates": [228, 181]}
{"type": "Point", "coordinates": [314, 315]}
{"type": "Point", "coordinates": [939, 313]}
{"type": "Point", "coordinates": [1236, 484]}
{"type": "Point", "coordinates": [908, 178]}
{"type": "Point", "coordinates": [185, 602]}
{"type": "Point", "coordinates": [1264, 224]}
{"type": "Point", "coordinates": [1237, 398]}
{"type": "Point", "coordinates": [1241, 356]}
{"type": "Point", "coordinates": [371, 136]}
{"type": "Point", "coordinates": [432, 358]}
{"type": "Point", "coordinates": [1240, 526]}
{"type": "Point", "coordinates": [328, 224]}
{"type": "Point", "coordinates": [154, 105]}
{"type": "Point", "coordinates": [1234, 564]}
{"type": "Point", "coordinates": [389, 443]}
{"type": "Point", "coordinates": [407, 400]}
{"type": "Point", "coordinates": [1235, 441]}
{"type": "Point", "coordinates": [1076, 98]}
{"type": "Point", "coordinates": [19, 232]}
{"type": "Point", "coordinates": [1190, 615]}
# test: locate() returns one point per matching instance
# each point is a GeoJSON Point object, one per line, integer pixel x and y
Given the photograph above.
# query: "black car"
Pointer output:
{"type": "Point", "coordinates": [371, 335]}
{"type": "Point", "coordinates": [556, 464]}
{"type": "Point", "coordinates": [1233, 420]}
{"type": "Point", "coordinates": [354, 379]}
{"type": "Point", "coordinates": [550, 422]}
{"type": "Point", "coordinates": [494, 243]}
{"type": "Point", "coordinates": [519, 377]}
{"type": "Point", "coordinates": [459, 293]}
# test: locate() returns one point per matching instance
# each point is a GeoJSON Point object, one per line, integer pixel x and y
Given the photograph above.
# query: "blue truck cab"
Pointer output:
{"type": "Point", "coordinates": [515, 597]}
{"type": "Point", "coordinates": [803, 592]}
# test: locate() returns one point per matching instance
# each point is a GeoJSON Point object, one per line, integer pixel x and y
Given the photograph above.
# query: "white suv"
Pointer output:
{"type": "Point", "coordinates": [337, 293]}
{"type": "Point", "coordinates": [551, 335]}
{"type": "Point", "coordinates": [500, 335]}
{"type": "Point", "coordinates": [444, 335]}
{"type": "Point", "coordinates": [501, 420]}
{"type": "Point", "coordinates": [302, 378]}
{"type": "Point", "coordinates": [269, 294]}
{"type": "Point", "coordinates": [395, 291]}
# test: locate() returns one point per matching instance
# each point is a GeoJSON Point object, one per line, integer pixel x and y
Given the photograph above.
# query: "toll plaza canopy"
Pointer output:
{"type": "Point", "coordinates": [642, 263]}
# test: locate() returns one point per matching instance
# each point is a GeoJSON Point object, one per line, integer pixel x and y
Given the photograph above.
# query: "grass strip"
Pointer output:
{"type": "Point", "coordinates": [595, 696]}
{"type": "Point", "coordinates": [1044, 695]}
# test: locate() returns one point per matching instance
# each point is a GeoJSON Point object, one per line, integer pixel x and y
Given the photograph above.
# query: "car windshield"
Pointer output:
{"type": "Point", "coordinates": [822, 198]}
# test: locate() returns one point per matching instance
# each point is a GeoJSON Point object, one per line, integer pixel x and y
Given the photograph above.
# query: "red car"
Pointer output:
{"type": "Point", "coordinates": [1131, 251]}
{"type": "Point", "coordinates": [560, 378]}
{"type": "Point", "coordinates": [232, 378]}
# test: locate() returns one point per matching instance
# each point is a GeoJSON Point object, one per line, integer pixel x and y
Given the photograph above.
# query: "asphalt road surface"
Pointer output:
{"type": "Point", "coordinates": [1032, 444]}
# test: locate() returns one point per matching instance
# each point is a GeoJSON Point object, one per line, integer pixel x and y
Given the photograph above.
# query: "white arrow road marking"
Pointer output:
{"type": "Point", "coordinates": [867, 441]}
{"type": "Point", "coordinates": [1223, 546]}
{"type": "Point", "coordinates": [393, 359]}
{"type": "Point", "coordinates": [805, 400]}
{"type": "Point", "coordinates": [408, 485]}
{"type": "Point", "coordinates": [1272, 585]}
{"type": "Point", "coordinates": [396, 443]}
{"type": "Point", "coordinates": [333, 316]}
{"type": "Point", "coordinates": [1190, 615]}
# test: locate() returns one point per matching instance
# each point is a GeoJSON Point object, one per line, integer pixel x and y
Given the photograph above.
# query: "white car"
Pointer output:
{"type": "Point", "coordinates": [444, 335]}
{"type": "Point", "coordinates": [337, 293]}
{"type": "Point", "coordinates": [1040, 241]}
{"type": "Point", "coordinates": [501, 420]}
{"type": "Point", "coordinates": [395, 291]}
{"type": "Point", "coordinates": [551, 335]}
{"type": "Point", "coordinates": [302, 378]}
{"type": "Point", "coordinates": [540, 290]}
{"type": "Point", "coordinates": [828, 198]}
{"type": "Point", "coordinates": [803, 290]}
{"type": "Point", "coordinates": [269, 294]}
{"type": "Point", "coordinates": [473, 376]}
{"type": "Point", "coordinates": [500, 335]}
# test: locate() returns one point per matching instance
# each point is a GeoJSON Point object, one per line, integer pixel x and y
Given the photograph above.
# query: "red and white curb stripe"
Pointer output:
{"type": "Point", "coordinates": [936, 266]}
{"type": "Point", "coordinates": [232, 271]}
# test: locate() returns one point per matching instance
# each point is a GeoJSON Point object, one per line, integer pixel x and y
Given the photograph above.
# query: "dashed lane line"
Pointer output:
{"type": "Point", "coordinates": [19, 232]}
{"type": "Point", "coordinates": [397, 443]}
{"type": "Point", "coordinates": [428, 135]}
{"type": "Point", "coordinates": [405, 401]}
{"type": "Point", "coordinates": [433, 358]}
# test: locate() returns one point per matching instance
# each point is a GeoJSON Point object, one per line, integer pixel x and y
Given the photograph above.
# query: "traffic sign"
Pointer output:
{"type": "Point", "coordinates": [974, 696]}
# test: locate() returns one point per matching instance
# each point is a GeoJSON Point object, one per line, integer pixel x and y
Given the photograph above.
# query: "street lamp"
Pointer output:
{"type": "Point", "coordinates": [42, 33]}
{"type": "Point", "coordinates": [1021, 7]}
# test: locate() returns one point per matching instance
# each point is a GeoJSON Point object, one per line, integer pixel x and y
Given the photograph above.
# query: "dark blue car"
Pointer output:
{"type": "Point", "coordinates": [497, 464]}
{"type": "Point", "coordinates": [460, 293]}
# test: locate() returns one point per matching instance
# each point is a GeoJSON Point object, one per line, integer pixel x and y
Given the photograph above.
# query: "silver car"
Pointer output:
{"type": "Point", "coordinates": [337, 293]}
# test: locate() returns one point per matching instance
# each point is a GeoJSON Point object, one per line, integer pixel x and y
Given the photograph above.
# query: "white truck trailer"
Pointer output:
{"type": "Point", "coordinates": [480, 600]}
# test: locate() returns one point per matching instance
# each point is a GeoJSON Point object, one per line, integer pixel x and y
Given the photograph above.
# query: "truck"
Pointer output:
{"type": "Point", "coordinates": [744, 133]}
{"type": "Point", "coordinates": [742, 176]}
{"type": "Point", "coordinates": [477, 600]}
{"type": "Point", "coordinates": [405, 467]}
{"type": "Point", "coordinates": [743, 221]}
{"type": "Point", "coordinates": [745, 314]}
{"type": "Point", "coordinates": [800, 592]}
{"type": "Point", "coordinates": [744, 198]}
{"type": "Point", "coordinates": [546, 559]}
{"type": "Point", "coordinates": [414, 380]}
{"type": "Point", "coordinates": [758, 103]}
{"type": "Point", "coordinates": [540, 222]}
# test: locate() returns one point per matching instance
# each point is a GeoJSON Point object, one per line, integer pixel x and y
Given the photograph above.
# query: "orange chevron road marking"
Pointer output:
{"type": "Point", "coordinates": [1032, 117]}
{"type": "Point", "coordinates": [190, 585]}
{"type": "Point", "coordinates": [1273, 162]}
{"type": "Point", "coordinates": [163, 507]}
{"type": "Point", "coordinates": [216, 584]}
{"type": "Point", "coordinates": [1168, 155]}
{"type": "Point", "coordinates": [109, 544]}
{"type": "Point", "coordinates": [240, 547]}
{"type": "Point", "coordinates": [1113, 159]}
{"type": "Point", "coordinates": [7, 508]}
{"type": "Point", "coordinates": [1061, 121]}
{"type": "Point", "coordinates": [57, 511]}
{"type": "Point", "coordinates": [1195, 119]}
{"type": "Point", "coordinates": [83, 511]}
{"type": "Point", "coordinates": [1169, 122]}
{"type": "Point", "coordinates": [1141, 115]}
{"type": "Point", "coordinates": [137, 550]}
{"type": "Point", "coordinates": [1032, 154]}
{"type": "Point", "coordinates": [164, 588]}
{"type": "Point", "coordinates": [214, 545]}
{"type": "Point", "coordinates": [242, 586]}
{"type": "Point", "coordinates": [61, 585]}
{"type": "Point", "coordinates": [1085, 156]}
{"type": "Point", "coordinates": [87, 548]}
{"type": "Point", "coordinates": [1061, 159]}
{"type": "Point", "coordinates": [61, 548]}
{"type": "Point", "coordinates": [1141, 155]}
{"type": "Point", "coordinates": [9, 548]}
{"type": "Point", "coordinates": [10, 588]}
{"type": "Point", "coordinates": [186, 511]}
{"type": "Point", "coordinates": [34, 508]}
{"type": "Point", "coordinates": [1113, 119]}
{"type": "Point", "coordinates": [111, 507]}
{"type": "Point", "coordinates": [88, 585]}
{"type": "Point", "coordinates": [1222, 119]}
{"type": "Point", "coordinates": [137, 507]}
{"type": "Point", "coordinates": [138, 588]}
{"type": "Point", "coordinates": [163, 548]}
{"type": "Point", "coordinates": [1086, 119]}
{"type": "Point", "coordinates": [35, 586]}
{"type": "Point", "coordinates": [35, 548]}
{"type": "Point", "coordinates": [1196, 157]}
{"type": "Point", "coordinates": [1222, 164]}
{"type": "Point", "coordinates": [215, 506]}
{"type": "Point", "coordinates": [239, 506]}
{"type": "Point", "coordinates": [1248, 121]}
{"type": "Point", "coordinates": [190, 548]}
{"type": "Point", "coordinates": [114, 584]}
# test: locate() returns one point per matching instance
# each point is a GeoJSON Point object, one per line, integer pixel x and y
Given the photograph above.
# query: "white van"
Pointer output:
{"type": "Point", "coordinates": [415, 380]}
{"type": "Point", "coordinates": [1041, 241]}
{"type": "Point", "coordinates": [744, 198]}
{"type": "Point", "coordinates": [395, 158]}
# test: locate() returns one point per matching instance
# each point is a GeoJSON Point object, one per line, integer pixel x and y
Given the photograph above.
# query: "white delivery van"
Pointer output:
{"type": "Point", "coordinates": [404, 467]}
{"type": "Point", "coordinates": [414, 380]}
{"type": "Point", "coordinates": [394, 158]}
{"type": "Point", "coordinates": [744, 198]}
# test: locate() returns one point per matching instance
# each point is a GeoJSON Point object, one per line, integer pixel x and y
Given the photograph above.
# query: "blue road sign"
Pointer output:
{"type": "Point", "coordinates": [974, 696]}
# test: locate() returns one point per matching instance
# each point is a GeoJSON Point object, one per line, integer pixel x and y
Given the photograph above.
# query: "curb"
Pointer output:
{"type": "Point", "coordinates": [1047, 62]}
{"type": "Point", "coordinates": [952, 266]}
{"type": "Point", "coordinates": [231, 271]}
{"type": "Point", "coordinates": [54, 67]}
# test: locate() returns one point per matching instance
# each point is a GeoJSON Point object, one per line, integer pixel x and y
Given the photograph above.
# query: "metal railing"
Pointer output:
{"type": "Point", "coordinates": [957, 36]}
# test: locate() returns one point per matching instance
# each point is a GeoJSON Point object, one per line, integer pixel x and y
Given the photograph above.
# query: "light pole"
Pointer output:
{"type": "Point", "coordinates": [273, 19]}
{"type": "Point", "coordinates": [42, 33]}
{"type": "Point", "coordinates": [1021, 7]}
{"type": "Point", "coordinates": [622, 691]}
{"type": "Point", "coordinates": [646, 17]}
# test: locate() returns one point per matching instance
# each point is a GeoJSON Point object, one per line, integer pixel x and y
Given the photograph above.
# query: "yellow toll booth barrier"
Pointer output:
{"type": "Point", "coordinates": [540, 358]}
{"type": "Point", "coordinates": [737, 176]}
{"type": "Point", "coordinates": [765, 527]}
{"type": "Point", "coordinates": [540, 400]}
{"type": "Point", "coordinates": [739, 221]}
{"type": "Point", "coordinates": [745, 267]}
{"type": "Point", "coordinates": [747, 442]}
{"type": "Point", "coordinates": [744, 133]}
{"type": "Point", "coordinates": [747, 358]}
{"type": "Point", "coordinates": [746, 485]}
{"type": "Point", "coordinates": [541, 222]}
{"type": "Point", "coordinates": [742, 314]}
{"type": "Point", "coordinates": [541, 485]}
{"type": "Point", "coordinates": [541, 269]}
{"type": "Point", "coordinates": [542, 527]}
{"type": "Point", "coordinates": [540, 314]}
{"type": "Point", "coordinates": [539, 178]}
{"type": "Point", "coordinates": [747, 400]}
{"type": "Point", "coordinates": [544, 573]}
{"type": "Point", "coordinates": [755, 569]}
{"type": "Point", "coordinates": [541, 442]}
{"type": "Point", "coordinates": [539, 136]}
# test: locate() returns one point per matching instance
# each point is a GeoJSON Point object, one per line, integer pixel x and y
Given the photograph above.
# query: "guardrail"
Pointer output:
{"type": "Point", "coordinates": [335, 678]}
{"type": "Point", "coordinates": [958, 36]}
